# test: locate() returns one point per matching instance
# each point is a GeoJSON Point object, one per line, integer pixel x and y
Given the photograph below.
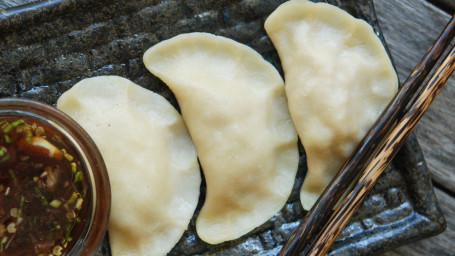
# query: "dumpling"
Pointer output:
{"type": "Point", "coordinates": [234, 105]}
{"type": "Point", "coordinates": [338, 77]}
{"type": "Point", "coordinates": [150, 158]}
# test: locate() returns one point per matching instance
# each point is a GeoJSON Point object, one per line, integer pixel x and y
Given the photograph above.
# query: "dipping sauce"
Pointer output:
{"type": "Point", "coordinates": [43, 190]}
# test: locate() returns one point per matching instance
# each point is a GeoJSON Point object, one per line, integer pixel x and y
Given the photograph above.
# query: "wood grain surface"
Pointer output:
{"type": "Point", "coordinates": [410, 27]}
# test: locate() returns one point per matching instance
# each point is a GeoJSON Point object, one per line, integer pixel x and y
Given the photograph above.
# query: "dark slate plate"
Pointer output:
{"type": "Point", "coordinates": [48, 46]}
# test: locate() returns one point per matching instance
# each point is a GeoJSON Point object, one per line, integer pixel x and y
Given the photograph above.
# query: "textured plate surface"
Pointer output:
{"type": "Point", "coordinates": [48, 46]}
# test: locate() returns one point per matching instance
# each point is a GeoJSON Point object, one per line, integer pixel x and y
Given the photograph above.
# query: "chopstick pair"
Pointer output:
{"type": "Point", "coordinates": [373, 154]}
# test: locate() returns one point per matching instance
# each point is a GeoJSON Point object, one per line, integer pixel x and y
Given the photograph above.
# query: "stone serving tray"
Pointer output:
{"type": "Point", "coordinates": [48, 46]}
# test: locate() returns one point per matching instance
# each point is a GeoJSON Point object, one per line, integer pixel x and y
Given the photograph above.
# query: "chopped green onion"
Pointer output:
{"type": "Point", "coordinates": [13, 176]}
{"type": "Point", "coordinates": [66, 155]}
{"type": "Point", "coordinates": [28, 139]}
{"type": "Point", "coordinates": [69, 227]}
{"type": "Point", "coordinates": [12, 125]}
{"type": "Point", "coordinates": [4, 239]}
{"type": "Point", "coordinates": [7, 139]}
{"type": "Point", "coordinates": [77, 177]}
{"type": "Point", "coordinates": [73, 198]}
{"type": "Point", "coordinates": [5, 158]}
{"type": "Point", "coordinates": [3, 150]}
{"type": "Point", "coordinates": [38, 192]}
{"type": "Point", "coordinates": [73, 167]}
{"type": "Point", "coordinates": [22, 201]}
{"type": "Point", "coordinates": [55, 203]}
{"type": "Point", "coordinates": [79, 203]}
{"type": "Point", "coordinates": [28, 134]}
{"type": "Point", "coordinates": [21, 204]}
{"type": "Point", "coordinates": [83, 192]}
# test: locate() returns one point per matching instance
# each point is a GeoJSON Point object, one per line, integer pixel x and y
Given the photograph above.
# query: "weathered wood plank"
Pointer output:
{"type": "Point", "coordinates": [410, 27]}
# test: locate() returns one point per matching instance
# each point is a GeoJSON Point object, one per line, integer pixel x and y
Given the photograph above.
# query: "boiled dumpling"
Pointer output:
{"type": "Point", "coordinates": [338, 80]}
{"type": "Point", "coordinates": [234, 105]}
{"type": "Point", "coordinates": [150, 158]}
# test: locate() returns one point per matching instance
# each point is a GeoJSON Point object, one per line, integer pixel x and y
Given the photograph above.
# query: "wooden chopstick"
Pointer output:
{"type": "Point", "coordinates": [387, 150]}
{"type": "Point", "coordinates": [349, 172]}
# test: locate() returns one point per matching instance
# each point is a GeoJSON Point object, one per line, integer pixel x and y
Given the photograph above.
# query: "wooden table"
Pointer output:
{"type": "Point", "coordinates": [410, 27]}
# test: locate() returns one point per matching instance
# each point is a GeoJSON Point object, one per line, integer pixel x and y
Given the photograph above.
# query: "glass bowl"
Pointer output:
{"type": "Point", "coordinates": [90, 230]}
